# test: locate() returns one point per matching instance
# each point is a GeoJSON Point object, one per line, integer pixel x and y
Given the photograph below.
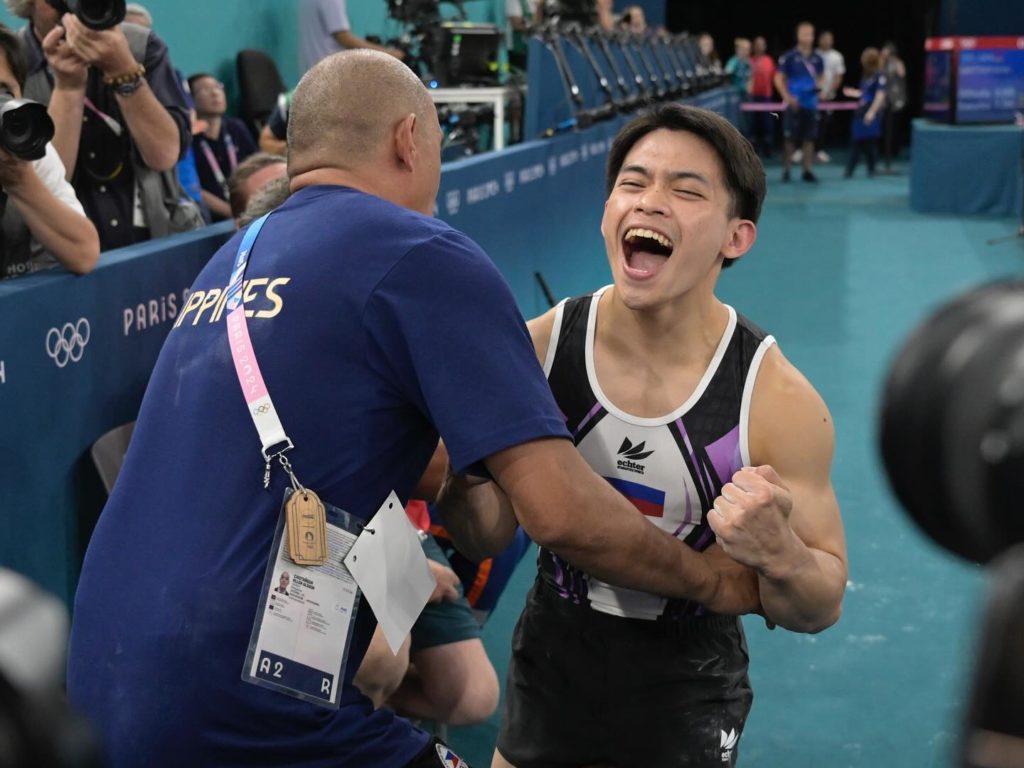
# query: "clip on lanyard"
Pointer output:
{"type": "Point", "coordinates": [307, 527]}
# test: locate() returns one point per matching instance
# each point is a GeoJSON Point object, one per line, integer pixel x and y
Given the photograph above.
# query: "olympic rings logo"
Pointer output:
{"type": "Point", "coordinates": [261, 410]}
{"type": "Point", "coordinates": [67, 344]}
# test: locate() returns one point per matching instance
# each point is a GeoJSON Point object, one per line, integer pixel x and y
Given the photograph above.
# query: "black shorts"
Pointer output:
{"type": "Point", "coordinates": [800, 125]}
{"type": "Point", "coordinates": [587, 688]}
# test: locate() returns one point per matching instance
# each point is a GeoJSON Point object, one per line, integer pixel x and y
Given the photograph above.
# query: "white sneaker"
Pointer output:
{"type": "Point", "coordinates": [823, 157]}
{"type": "Point", "coordinates": [798, 156]}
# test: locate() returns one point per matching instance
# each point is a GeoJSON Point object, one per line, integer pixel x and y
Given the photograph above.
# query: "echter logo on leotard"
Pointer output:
{"type": "Point", "coordinates": [728, 744]}
{"type": "Point", "coordinates": [632, 455]}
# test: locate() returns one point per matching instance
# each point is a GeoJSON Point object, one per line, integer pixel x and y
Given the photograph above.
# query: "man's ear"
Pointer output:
{"type": "Point", "coordinates": [405, 142]}
{"type": "Point", "coordinates": [742, 234]}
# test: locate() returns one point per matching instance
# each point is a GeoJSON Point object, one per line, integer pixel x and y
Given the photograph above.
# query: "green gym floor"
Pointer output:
{"type": "Point", "coordinates": [840, 273]}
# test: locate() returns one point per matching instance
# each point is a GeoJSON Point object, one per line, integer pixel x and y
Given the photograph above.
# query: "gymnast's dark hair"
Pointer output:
{"type": "Point", "coordinates": [742, 168]}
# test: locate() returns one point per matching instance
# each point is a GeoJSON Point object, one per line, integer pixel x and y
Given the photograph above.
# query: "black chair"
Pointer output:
{"type": "Point", "coordinates": [108, 453]}
{"type": "Point", "coordinates": [259, 84]}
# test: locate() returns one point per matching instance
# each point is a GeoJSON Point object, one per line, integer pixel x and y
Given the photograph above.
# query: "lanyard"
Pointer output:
{"type": "Point", "coordinates": [112, 124]}
{"type": "Point", "coordinates": [261, 407]}
{"type": "Point", "coordinates": [810, 70]}
{"type": "Point", "coordinates": [211, 159]}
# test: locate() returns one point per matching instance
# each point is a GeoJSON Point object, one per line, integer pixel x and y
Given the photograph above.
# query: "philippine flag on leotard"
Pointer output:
{"type": "Point", "coordinates": [650, 501]}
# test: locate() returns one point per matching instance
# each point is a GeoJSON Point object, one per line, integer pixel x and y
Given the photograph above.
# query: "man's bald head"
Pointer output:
{"type": "Point", "coordinates": [347, 106]}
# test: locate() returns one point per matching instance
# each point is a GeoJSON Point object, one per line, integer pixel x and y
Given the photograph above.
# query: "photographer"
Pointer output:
{"type": "Point", "coordinates": [42, 221]}
{"type": "Point", "coordinates": [121, 120]}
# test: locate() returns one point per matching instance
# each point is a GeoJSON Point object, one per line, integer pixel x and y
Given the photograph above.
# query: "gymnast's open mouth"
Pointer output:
{"type": "Point", "coordinates": [646, 251]}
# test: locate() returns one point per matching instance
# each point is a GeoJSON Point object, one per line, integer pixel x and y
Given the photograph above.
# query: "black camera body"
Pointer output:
{"type": "Point", "coordinates": [95, 14]}
{"type": "Point", "coordinates": [415, 12]}
{"type": "Point", "coordinates": [25, 127]}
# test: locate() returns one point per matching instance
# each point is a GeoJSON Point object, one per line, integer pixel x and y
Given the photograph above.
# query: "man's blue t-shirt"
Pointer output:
{"type": "Point", "coordinates": [801, 73]}
{"type": "Point", "coordinates": [376, 329]}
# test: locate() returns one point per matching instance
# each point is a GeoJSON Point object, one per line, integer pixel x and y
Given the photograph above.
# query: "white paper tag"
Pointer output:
{"type": "Point", "coordinates": [391, 570]}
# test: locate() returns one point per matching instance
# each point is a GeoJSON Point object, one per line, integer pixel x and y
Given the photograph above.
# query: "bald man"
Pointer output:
{"type": "Point", "coordinates": [377, 329]}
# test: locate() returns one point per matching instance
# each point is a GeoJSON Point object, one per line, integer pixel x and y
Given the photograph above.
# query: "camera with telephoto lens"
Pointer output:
{"type": "Point", "coordinates": [25, 126]}
{"type": "Point", "coordinates": [952, 441]}
{"type": "Point", "coordinates": [95, 14]}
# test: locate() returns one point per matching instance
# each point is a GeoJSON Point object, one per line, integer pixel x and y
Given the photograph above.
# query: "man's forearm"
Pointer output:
{"type": "Point", "coordinates": [67, 105]}
{"type": "Point", "coordinates": [217, 205]}
{"type": "Point", "coordinates": [152, 128]}
{"type": "Point", "coordinates": [807, 595]}
{"type": "Point", "coordinates": [67, 235]}
{"type": "Point", "coordinates": [479, 518]}
{"type": "Point", "coordinates": [617, 544]}
{"type": "Point", "coordinates": [783, 88]}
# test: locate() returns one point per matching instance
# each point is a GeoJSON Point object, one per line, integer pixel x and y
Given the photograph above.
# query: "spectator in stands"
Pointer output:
{"type": "Point", "coordinates": [762, 91]}
{"type": "Point", "coordinates": [798, 79]}
{"type": "Point", "coordinates": [484, 582]}
{"type": "Point", "coordinates": [252, 175]}
{"type": "Point", "coordinates": [633, 20]}
{"type": "Point", "coordinates": [738, 66]}
{"type": "Point", "coordinates": [831, 82]}
{"type": "Point", "coordinates": [707, 49]}
{"type": "Point", "coordinates": [451, 679]}
{"type": "Point", "coordinates": [264, 200]}
{"type": "Point", "coordinates": [42, 221]}
{"type": "Point", "coordinates": [867, 121]}
{"type": "Point", "coordinates": [895, 73]}
{"type": "Point", "coordinates": [121, 121]}
{"type": "Point", "coordinates": [223, 144]}
{"type": "Point", "coordinates": [324, 29]}
{"type": "Point", "coordinates": [136, 13]}
{"type": "Point", "coordinates": [737, 70]}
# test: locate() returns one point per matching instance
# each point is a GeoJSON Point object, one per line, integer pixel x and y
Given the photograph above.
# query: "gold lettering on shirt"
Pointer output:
{"type": "Point", "coordinates": [194, 300]}
{"type": "Point", "coordinates": [274, 297]}
{"type": "Point", "coordinates": [260, 296]}
{"type": "Point", "coordinates": [212, 296]}
{"type": "Point", "coordinates": [248, 293]}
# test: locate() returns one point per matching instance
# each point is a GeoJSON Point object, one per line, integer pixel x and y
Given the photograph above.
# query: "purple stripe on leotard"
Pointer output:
{"type": "Point", "coordinates": [702, 477]}
{"type": "Point", "coordinates": [586, 419]}
{"type": "Point", "coordinates": [688, 517]}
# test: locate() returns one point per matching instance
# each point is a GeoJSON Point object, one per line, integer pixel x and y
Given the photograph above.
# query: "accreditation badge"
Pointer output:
{"type": "Point", "coordinates": [307, 614]}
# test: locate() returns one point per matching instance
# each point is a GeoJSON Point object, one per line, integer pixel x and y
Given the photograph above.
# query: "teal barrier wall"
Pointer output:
{"type": "Point", "coordinates": [76, 352]}
{"type": "Point", "coordinates": [75, 358]}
